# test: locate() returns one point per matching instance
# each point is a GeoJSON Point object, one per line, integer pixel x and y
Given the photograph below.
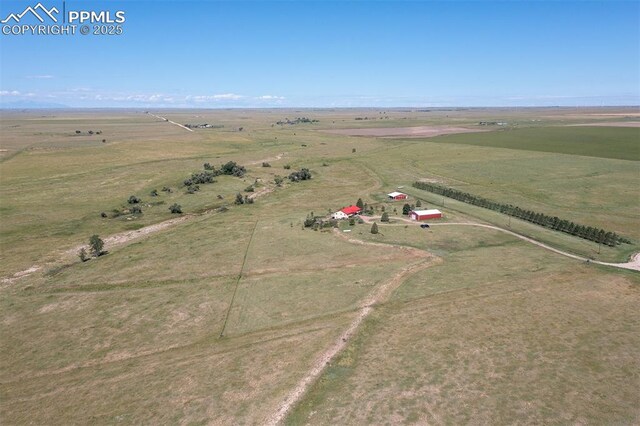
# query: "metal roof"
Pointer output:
{"type": "Point", "coordinates": [424, 212]}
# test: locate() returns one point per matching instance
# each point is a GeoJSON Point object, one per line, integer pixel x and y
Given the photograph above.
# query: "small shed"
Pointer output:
{"type": "Point", "coordinates": [339, 215]}
{"type": "Point", "coordinates": [397, 196]}
{"type": "Point", "coordinates": [425, 214]}
{"type": "Point", "coordinates": [351, 210]}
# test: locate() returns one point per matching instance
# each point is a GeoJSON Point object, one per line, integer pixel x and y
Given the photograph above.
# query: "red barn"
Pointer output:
{"type": "Point", "coordinates": [351, 210]}
{"type": "Point", "coordinates": [425, 214]}
{"type": "Point", "coordinates": [397, 196]}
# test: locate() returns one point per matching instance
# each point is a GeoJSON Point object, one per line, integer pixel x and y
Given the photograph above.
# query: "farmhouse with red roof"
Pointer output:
{"type": "Point", "coordinates": [351, 210]}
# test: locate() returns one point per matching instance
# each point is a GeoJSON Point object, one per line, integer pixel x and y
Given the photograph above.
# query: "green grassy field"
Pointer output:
{"type": "Point", "coordinates": [622, 143]}
{"type": "Point", "coordinates": [532, 344]}
{"type": "Point", "coordinates": [496, 330]}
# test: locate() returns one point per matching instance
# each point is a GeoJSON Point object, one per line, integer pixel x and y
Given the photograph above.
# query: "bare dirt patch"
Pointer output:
{"type": "Point", "coordinates": [266, 160]}
{"type": "Point", "coordinates": [411, 132]}
{"type": "Point", "coordinates": [21, 274]}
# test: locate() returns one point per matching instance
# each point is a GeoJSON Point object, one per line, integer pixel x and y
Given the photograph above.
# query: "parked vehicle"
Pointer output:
{"type": "Point", "coordinates": [424, 225]}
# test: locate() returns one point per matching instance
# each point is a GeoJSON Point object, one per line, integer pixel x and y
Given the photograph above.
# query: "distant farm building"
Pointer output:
{"type": "Point", "coordinates": [425, 214]}
{"type": "Point", "coordinates": [351, 210]}
{"type": "Point", "coordinates": [397, 196]}
{"type": "Point", "coordinates": [339, 215]}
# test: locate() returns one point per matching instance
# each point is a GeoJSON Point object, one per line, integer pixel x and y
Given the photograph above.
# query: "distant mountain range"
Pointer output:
{"type": "Point", "coordinates": [31, 105]}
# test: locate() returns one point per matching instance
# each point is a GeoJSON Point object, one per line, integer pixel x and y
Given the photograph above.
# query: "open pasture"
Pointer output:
{"type": "Point", "coordinates": [217, 317]}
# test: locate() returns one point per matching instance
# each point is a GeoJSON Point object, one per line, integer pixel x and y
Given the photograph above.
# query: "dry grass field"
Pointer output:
{"type": "Point", "coordinates": [216, 315]}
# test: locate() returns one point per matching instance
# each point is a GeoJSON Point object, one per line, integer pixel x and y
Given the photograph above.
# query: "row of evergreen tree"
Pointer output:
{"type": "Point", "coordinates": [553, 222]}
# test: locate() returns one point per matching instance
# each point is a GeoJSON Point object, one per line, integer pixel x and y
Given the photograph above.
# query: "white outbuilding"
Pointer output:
{"type": "Point", "coordinates": [339, 215]}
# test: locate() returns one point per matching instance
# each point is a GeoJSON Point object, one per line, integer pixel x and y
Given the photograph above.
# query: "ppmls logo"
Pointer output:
{"type": "Point", "coordinates": [40, 20]}
{"type": "Point", "coordinates": [33, 11]}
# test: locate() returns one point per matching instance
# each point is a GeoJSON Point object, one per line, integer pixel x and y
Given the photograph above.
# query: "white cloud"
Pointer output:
{"type": "Point", "coordinates": [39, 77]}
{"type": "Point", "coordinates": [271, 98]}
{"type": "Point", "coordinates": [10, 93]}
{"type": "Point", "coordinates": [218, 97]}
{"type": "Point", "coordinates": [229, 96]}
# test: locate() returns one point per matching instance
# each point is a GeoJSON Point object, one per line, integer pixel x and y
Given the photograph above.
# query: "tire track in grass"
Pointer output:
{"type": "Point", "coordinates": [381, 294]}
{"type": "Point", "coordinates": [633, 264]}
{"type": "Point", "coordinates": [235, 290]}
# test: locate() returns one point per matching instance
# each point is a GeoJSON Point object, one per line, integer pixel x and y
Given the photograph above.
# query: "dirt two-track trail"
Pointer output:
{"type": "Point", "coordinates": [122, 238]}
{"type": "Point", "coordinates": [379, 295]}
{"type": "Point", "coordinates": [382, 294]}
{"type": "Point", "coordinates": [633, 264]}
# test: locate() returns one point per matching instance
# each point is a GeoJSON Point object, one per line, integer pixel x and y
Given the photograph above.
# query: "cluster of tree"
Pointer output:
{"type": "Point", "coordinates": [96, 249]}
{"type": "Point", "coordinates": [230, 168]}
{"type": "Point", "coordinates": [197, 178]}
{"type": "Point", "coordinates": [371, 118]}
{"type": "Point", "coordinates": [302, 174]}
{"type": "Point", "coordinates": [366, 209]}
{"type": "Point", "coordinates": [243, 200]}
{"type": "Point", "coordinates": [553, 222]}
{"type": "Point", "coordinates": [297, 120]}
{"type": "Point", "coordinates": [90, 132]}
{"type": "Point", "coordinates": [319, 222]}
{"type": "Point", "coordinates": [175, 208]}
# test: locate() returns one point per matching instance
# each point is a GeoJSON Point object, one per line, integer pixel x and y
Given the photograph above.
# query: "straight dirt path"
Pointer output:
{"type": "Point", "coordinates": [169, 121]}
{"type": "Point", "coordinates": [380, 295]}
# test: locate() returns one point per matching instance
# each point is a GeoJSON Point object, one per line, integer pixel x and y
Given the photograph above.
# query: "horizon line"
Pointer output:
{"type": "Point", "coordinates": [11, 108]}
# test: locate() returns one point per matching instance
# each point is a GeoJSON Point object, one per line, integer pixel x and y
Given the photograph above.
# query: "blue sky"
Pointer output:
{"type": "Point", "coordinates": [332, 54]}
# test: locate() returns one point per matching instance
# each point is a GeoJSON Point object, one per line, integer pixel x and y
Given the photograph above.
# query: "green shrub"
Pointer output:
{"type": "Point", "coordinates": [302, 174]}
{"type": "Point", "coordinates": [133, 200]}
{"type": "Point", "coordinates": [374, 228]}
{"type": "Point", "coordinates": [96, 245]}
